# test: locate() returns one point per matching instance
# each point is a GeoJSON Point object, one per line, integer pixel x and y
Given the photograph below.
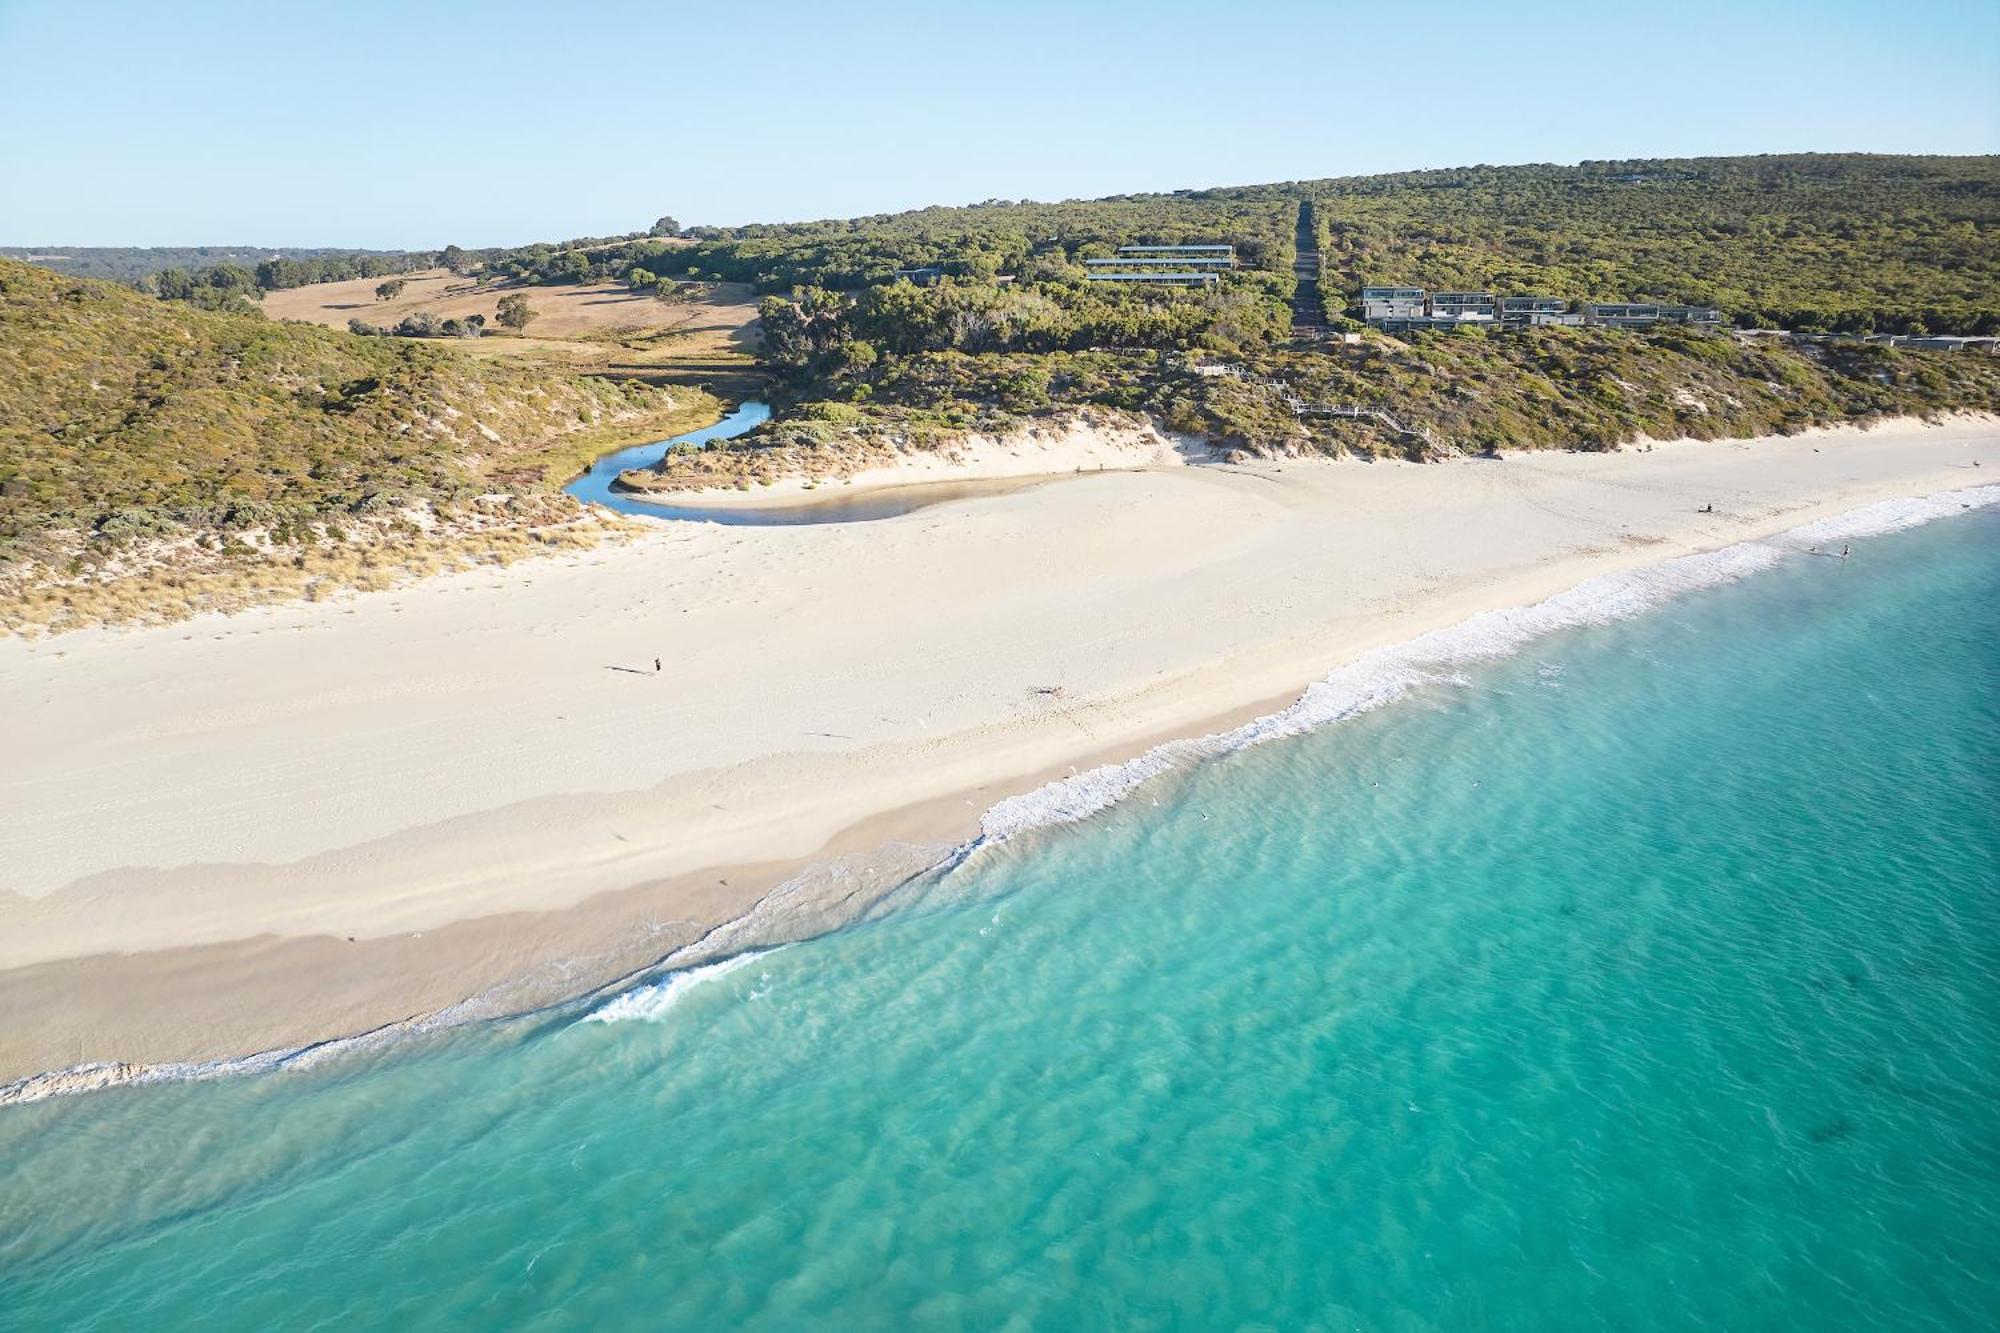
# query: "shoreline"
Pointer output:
{"type": "Point", "coordinates": [621, 933]}
{"type": "Point", "coordinates": [1080, 443]}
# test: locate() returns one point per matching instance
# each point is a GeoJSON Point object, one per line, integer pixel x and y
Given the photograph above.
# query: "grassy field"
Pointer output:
{"type": "Point", "coordinates": [709, 340]}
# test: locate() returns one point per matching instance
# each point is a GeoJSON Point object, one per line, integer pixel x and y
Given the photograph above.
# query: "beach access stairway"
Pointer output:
{"type": "Point", "coordinates": [1302, 408]}
{"type": "Point", "coordinates": [1308, 309]}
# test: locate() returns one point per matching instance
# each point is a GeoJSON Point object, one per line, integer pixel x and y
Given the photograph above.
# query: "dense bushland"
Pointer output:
{"type": "Point", "coordinates": [1451, 394]}
{"type": "Point", "coordinates": [1811, 242]}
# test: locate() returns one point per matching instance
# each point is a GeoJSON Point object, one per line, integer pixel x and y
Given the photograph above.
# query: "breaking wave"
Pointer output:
{"type": "Point", "coordinates": [824, 897]}
{"type": "Point", "coordinates": [649, 1003]}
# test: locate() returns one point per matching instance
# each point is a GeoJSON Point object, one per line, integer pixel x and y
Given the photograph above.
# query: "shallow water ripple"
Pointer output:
{"type": "Point", "coordinates": [1666, 998]}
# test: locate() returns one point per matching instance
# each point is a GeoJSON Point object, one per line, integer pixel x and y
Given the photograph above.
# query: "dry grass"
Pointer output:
{"type": "Point", "coordinates": [186, 577]}
{"type": "Point", "coordinates": [707, 341]}
{"type": "Point", "coordinates": [560, 312]}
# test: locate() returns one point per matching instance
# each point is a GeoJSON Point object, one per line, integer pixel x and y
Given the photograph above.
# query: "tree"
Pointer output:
{"type": "Point", "coordinates": [640, 280]}
{"type": "Point", "coordinates": [390, 290]}
{"type": "Point", "coordinates": [455, 259]}
{"type": "Point", "coordinates": [854, 356]}
{"type": "Point", "coordinates": [665, 227]}
{"type": "Point", "coordinates": [514, 312]}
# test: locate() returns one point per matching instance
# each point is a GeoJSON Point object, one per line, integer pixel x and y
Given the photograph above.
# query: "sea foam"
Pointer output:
{"type": "Point", "coordinates": [1386, 674]}
{"type": "Point", "coordinates": [650, 1003]}
{"type": "Point", "coordinates": [1372, 680]}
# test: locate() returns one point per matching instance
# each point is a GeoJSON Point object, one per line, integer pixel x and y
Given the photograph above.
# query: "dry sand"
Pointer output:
{"type": "Point", "coordinates": [1078, 444]}
{"type": "Point", "coordinates": [292, 823]}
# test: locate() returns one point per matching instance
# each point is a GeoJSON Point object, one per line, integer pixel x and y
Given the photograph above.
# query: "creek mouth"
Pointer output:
{"type": "Point", "coordinates": [599, 486]}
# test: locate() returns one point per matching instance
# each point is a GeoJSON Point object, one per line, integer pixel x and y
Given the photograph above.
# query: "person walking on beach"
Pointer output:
{"type": "Point", "coordinates": [656, 666]}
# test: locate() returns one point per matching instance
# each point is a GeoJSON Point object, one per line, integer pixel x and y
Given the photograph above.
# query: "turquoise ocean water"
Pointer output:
{"type": "Point", "coordinates": [1641, 975]}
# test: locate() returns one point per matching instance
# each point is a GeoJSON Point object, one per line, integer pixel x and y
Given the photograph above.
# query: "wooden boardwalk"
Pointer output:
{"type": "Point", "coordinates": [1303, 408]}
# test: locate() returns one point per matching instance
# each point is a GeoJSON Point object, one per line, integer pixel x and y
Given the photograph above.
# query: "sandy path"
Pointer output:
{"type": "Point", "coordinates": [429, 760]}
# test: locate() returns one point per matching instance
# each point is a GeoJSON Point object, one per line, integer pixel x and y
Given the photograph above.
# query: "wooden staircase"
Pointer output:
{"type": "Point", "coordinates": [1308, 309]}
{"type": "Point", "coordinates": [1303, 408]}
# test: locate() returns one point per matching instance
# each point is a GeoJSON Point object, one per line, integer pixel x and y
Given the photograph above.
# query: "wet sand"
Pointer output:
{"type": "Point", "coordinates": [296, 823]}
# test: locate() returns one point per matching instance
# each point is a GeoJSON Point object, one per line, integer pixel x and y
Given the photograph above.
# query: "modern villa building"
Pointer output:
{"type": "Point", "coordinates": [1691, 314]}
{"type": "Point", "coordinates": [1392, 303]}
{"type": "Point", "coordinates": [1523, 312]}
{"type": "Point", "coordinates": [1176, 265]}
{"type": "Point", "coordinates": [1412, 309]}
{"type": "Point", "coordinates": [1462, 305]}
{"type": "Point", "coordinates": [1622, 315]}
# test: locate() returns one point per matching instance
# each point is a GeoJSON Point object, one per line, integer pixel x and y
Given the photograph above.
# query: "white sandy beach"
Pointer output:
{"type": "Point", "coordinates": [251, 831]}
{"type": "Point", "coordinates": [1079, 444]}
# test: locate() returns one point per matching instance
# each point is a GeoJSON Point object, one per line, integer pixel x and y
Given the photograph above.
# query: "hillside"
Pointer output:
{"type": "Point", "coordinates": [137, 435]}
{"type": "Point", "coordinates": [152, 437]}
{"type": "Point", "coordinates": [1846, 242]}
{"type": "Point", "coordinates": [1555, 388]}
{"type": "Point", "coordinates": [1013, 332]}
{"type": "Point", "coordinates": [977, 242]}
{"type": "Point", "coordinates": [1834, 242]}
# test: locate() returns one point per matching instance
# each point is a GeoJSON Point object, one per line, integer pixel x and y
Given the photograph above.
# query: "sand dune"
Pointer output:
{"type": "Point", "coordinates": [244, 832]}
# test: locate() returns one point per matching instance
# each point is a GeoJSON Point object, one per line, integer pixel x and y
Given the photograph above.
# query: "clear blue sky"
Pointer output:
{"type": "Point", "coordinates": [180, 122]}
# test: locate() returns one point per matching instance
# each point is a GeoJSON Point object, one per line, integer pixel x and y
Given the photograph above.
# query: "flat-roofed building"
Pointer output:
{"type": "Point", "coordinates": [1940, 342]}
{"type": "Point", "coordinates": [1165, 265]}
{"type": "Point", "coordinates": [1691, 314]}
{"type": "Point", "coordinates": [1145, 261]}
{"type": "Point", "coordinates": [1521, 312]}
{"type": "Point", "coordinates": [1187, 256]}
{"type": "Point", "coordinates": [1430, 323]}
{"type": "Point", "coordinates": [1534, 312]}
{"type": "Point", "coordinates": [1174, 278]}
{"type": "Point", "coordinates": [1622, 314]}
{"type": "Point", "coordinates": [1462, 305]}
{"type": "Point", "coordinates": [1392, 303]}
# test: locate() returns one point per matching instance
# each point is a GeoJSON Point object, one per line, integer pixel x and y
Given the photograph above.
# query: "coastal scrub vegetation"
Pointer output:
{"type": "Point", "coordinates": [140, 424]}
{"type": "Point", "coordinates": [1850, 243]}
{"type": "Point", "coordinates": [1449, 394]}
{"type": "Point", "coordinates": [135, 432]}
{"type": "Point", "coordinates": [1809, 242]}
{"type": "Point", "coordinates": [1816, 242]}
{"type": "Point", "coordinates": [1835, 242]}
{"type": "Point", "coordinates": [977, 243]}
